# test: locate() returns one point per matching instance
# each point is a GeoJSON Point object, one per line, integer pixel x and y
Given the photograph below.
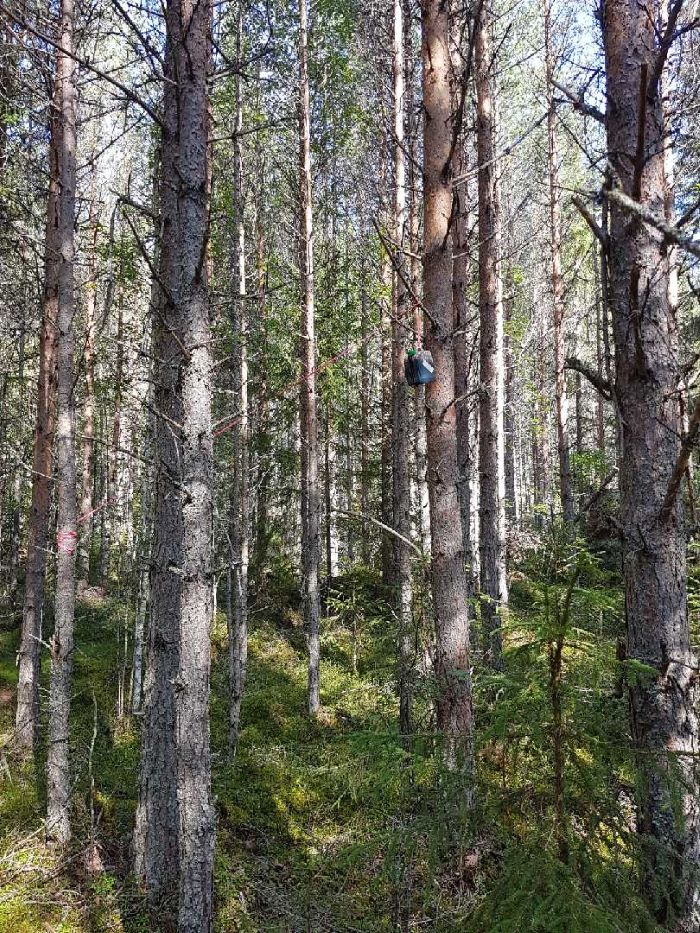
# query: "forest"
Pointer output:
{"type": "Point", "coordinates": [349, 398]}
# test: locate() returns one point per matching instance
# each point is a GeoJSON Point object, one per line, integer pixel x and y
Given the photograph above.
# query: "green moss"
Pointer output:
{"type": "Point", "coordinates": [321, 823]}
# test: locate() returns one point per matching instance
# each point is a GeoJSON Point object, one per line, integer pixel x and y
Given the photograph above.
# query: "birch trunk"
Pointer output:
{"type": "Point", "coordinates": [240, 504]}
{"type": "Point", "coordinates": [310, 487]}
{"type": "Point", "coordinates": [402, 427]}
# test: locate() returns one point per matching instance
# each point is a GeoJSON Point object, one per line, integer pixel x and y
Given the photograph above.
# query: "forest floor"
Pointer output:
{"type": "Point", "coordinates": [304, 811]}
{"type": "Point", "coordinates": [324, 826]}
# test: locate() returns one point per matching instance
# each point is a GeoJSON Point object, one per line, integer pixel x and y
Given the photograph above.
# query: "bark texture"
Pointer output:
{"type": "Point", "coordinates": [27, 716]}
{"type": "Point", "coordinates": [310, 486]}
{"type": "Point", "coordinates": [401, 431]}
{"type": "Point", "coordinates": [663, 703]}
{"type": "Point", "coordinates": [491, 390]}
{"type": "Point", "coordinates": [174, 838]}
{"type": "Point", "coordinates": [89, 397]}
{"type": "Point", "coordinates": [463, 343]}
{"type": "Point", "coordinates": [58, 779]}
{"type": "Point", "coordinates": [240, 504]}
{"type": "Point", "coordinates": [561, 401]}
{"type": "Point", "coordinates": [449, 586]}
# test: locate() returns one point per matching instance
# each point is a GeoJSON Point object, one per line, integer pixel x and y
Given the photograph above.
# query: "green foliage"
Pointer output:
{"type": "Point", "coordinates": [536, 893]}
{"type": "Point", "coordinates": [332, 823]}
{"type": "Point", "coordinates": [357, 612]}
{"type": "Point", "coordinates": [588, 468]}
{"type": "Point", "coordinates": [564, 597]}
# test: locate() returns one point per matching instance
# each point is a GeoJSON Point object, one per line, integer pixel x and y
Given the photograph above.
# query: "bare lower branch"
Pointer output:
{"type": "Point", "coordinates": [128, 93]}
{"type": "Point", "coordinates": [361, 516]}
{"type": "Point", "coordinates": [579, 102]}
{"type": "Point", "coordinates": [665, 43]}
{"type": "Point", "coordinates": [137, 206]}
{"type": "Point", "coordinates": [599, 383]}
{"type": "Point", "coordinates": [671, 233]}
{"type": "Point", "coordinates": [681, 466]}
{"type": "Point", "coordinates": [588, 505]}
{"type": "Point", "coordinates": [596, 229]}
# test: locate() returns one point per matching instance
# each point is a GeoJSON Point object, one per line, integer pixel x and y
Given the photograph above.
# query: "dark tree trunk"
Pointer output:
{"type": "Point", "coordinates": [240, 501]}
{"type": "Point", "coordinates": [58, 778]}
{"type": "Point", "coordinates": [27, 718]}
{"type": "Point", "coordinates": [561, 401]}
{"type": "Point", "coordinates": [663, 703]}
{"type": "Point", "coordinates": [86, 503]}
{"type": "Point", "coordinates": [463, 348]}
{"type": "Point", "coordinates": [174, 838]}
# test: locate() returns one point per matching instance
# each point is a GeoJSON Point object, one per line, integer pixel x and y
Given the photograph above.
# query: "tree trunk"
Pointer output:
{"type": "Point", "coordinates": [329, 459]}
{"type": "Point", "coordinates": [449, 585]}
{"type": "Point", "coordinates": [113, 453]}
{"type": "Point", "coordinates": [413, 268]}
{"type": "Point", "coordinates": [509, 384]}
{"type": "Point", "coordinates": [262, 532]}
{"type": "Point", "coordinates": [174, 837]}
{"type": "Point", "coordinates": [663, 703]}
{"type": "Point", "coordinates": [460, 317]}
{"type": "Point", "coordinates": [561, 401]}
{"type": "Point", "coordinates": [310, 488]}
{"type": "Point", "coordinates": [17, 484]}
{"type": "Point", "coordinates": [240, 504]}
{"type": "Point", "coordinates": [144, 546]}
{"type": "Point", "coordinates": [27, 717]}
{"type": "Point", "coordinates": [491, 438]}
{"type": "Point", "coordinates": [364, 416]}
{"type": "Point", "coordinates": [401, 429]}
{"type": "Point", "coordinates": [386, 425]}
{"type": "Point", "coordinates": [600, 362]}
{"type": "Point", "coordinates": [148, 479]}
{"type": "Point", "coordinates": [89, 399]}
{"type": "Point", "coordinates": [58, 778]}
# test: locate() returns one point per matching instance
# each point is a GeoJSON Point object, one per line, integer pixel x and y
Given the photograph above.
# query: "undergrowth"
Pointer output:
{"type": "Point", "coordinates": [331, 825]}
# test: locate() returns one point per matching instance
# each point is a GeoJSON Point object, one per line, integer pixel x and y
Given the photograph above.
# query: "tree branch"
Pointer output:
{"type": "Point", "coordinates": [128, 93]}
{"type": "Point", "coordinates": [588, 505]}
{"type": "Point", "coordinates": [597, 230]}
{"type": "Point", "coordinates": [665, 44]}
{"type": "Point", "coordinates": [579, 102]}
{"type": "Point", "coordinates": [671, 233]}
{"type": "Point", "coordinates": [681, 466]}
{"type": "Point", "coordinates": [600, 384]}
{"type": "Point", "coordinates": [389, 530]}
{"type": "Point", "coordinates": [122, 198]}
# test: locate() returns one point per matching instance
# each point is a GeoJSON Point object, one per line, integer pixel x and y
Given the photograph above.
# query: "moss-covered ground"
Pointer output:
{"type": "Point", "coordinates": [327, 825]}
